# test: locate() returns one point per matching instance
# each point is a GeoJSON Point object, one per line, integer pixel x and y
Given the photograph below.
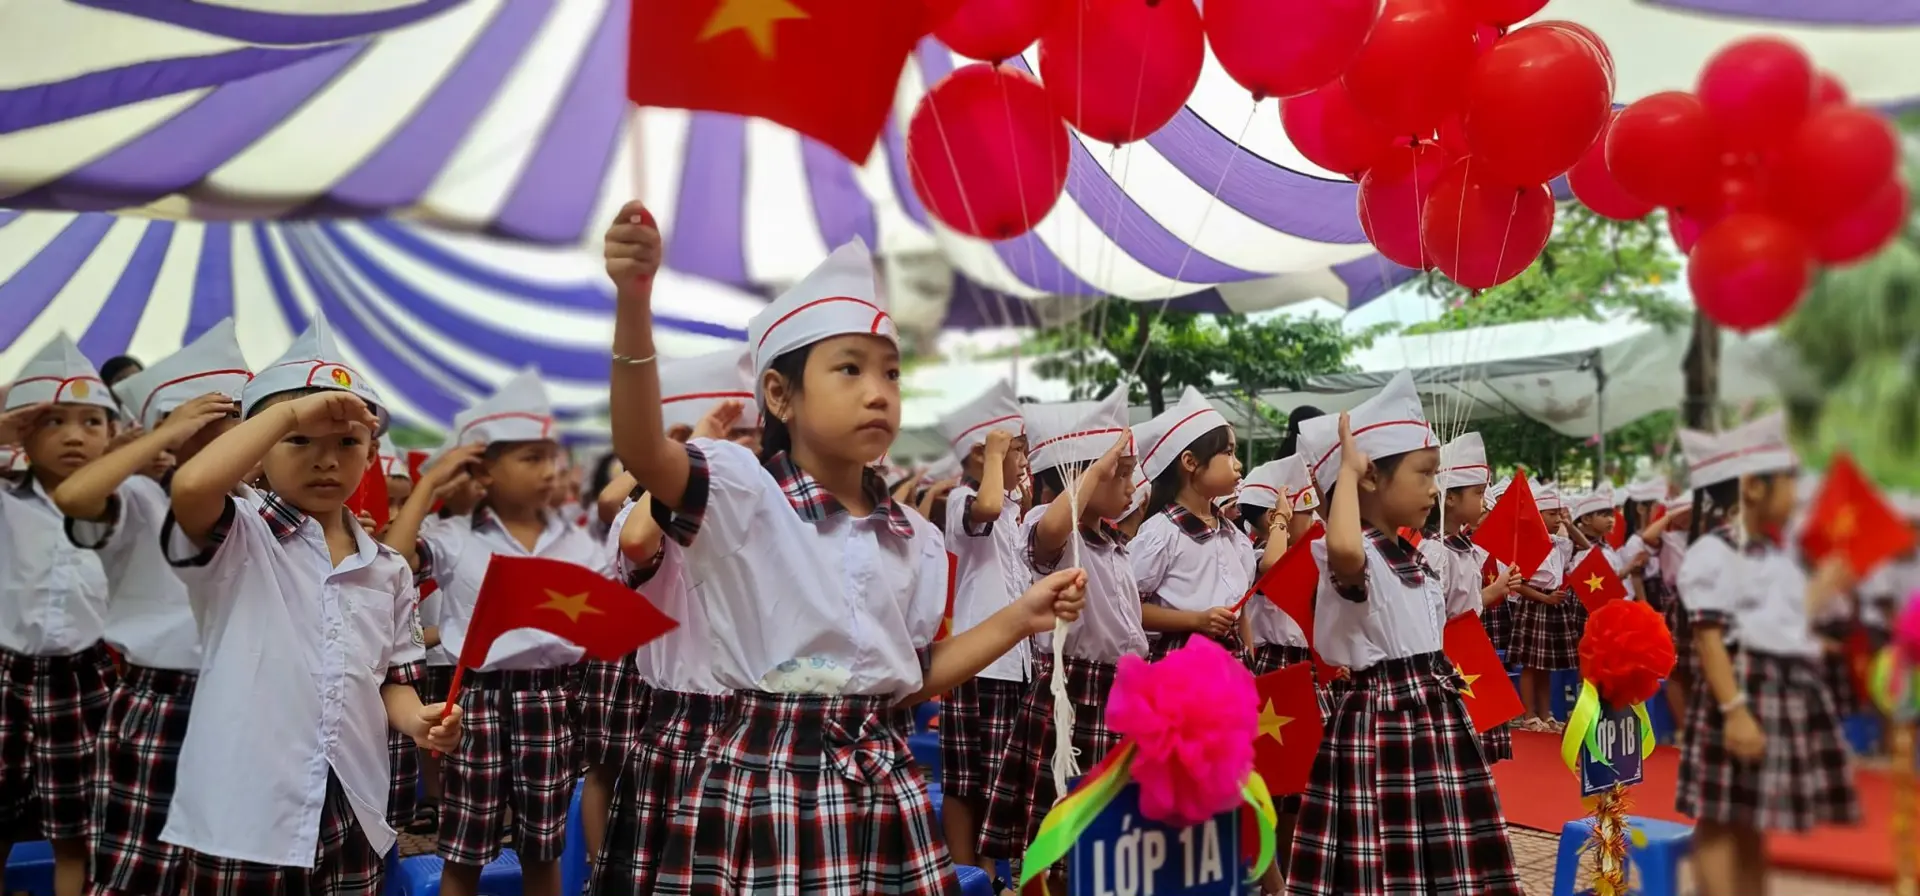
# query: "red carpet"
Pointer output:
{"type": "Point", "coordinates": [1538, 792]}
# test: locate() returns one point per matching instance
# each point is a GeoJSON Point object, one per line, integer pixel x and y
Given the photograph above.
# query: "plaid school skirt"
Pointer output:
{"type": "Point", "coordinates": [799, 793]}
{"type": "Point", "coordinates": [1498, 622]}
{"type": "Point", "coordinates": [434, 682]}
{"type": "Point", "coordinates": [1805, 778]}
{"type": "Point", "coordinates": [1401, 801]}
{"type": "Point", "coordinates": [1547, 636]}
{"type": "Point", "coordinates": [609, 710]}
{"type": "Point", "coordinates": [134, 770]}
{"type": "Point", "coordinates": [976, 721]}
{"type": "Point", "coordinates": [1686, 656]}
{"type": "Point", "coordinates": [516, 766]}
{"type": "Point", "coordinates": [1837, 670]}
{"type": "Point", "coordinates": [51, 711]}
{"type": "Point", "coordinates": [1497, 743]}
{"type": "Point", "coordinates": [403, 793]}
{"type": "Point", "coordinates": [1168, 642]}
{"type": "Point", "coordinates": [344, 863]}
{"type": "Point", "coordinates": [663, 764]}
{"type": "Point", "coordinates": [1268, 658]}
{"type": "Point", "coordinates": [1022, 790]}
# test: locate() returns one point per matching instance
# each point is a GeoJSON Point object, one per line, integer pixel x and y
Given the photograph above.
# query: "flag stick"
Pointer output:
{"type": "Point", "coordinates": [453, 692]}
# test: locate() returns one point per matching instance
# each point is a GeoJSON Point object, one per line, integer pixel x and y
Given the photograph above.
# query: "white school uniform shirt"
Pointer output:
{"type": "Point", "coordinates": [296, 652]}
{"type": "Point", "coordinates": [990, 572]}
{"type": "Point", "coordinates": [1458, 561]}
{"type": "Point", "coordinates": [1181, 562]}
{"type": "Point", "coordinates": [456, 557]}
{"type": "Point", "coordinates": [1761, 592]}
{"type": "Point", "coordinates": [1891, 585]}
{"type": "Point", "coordinates": [148, 617]}
{"type": "Point", "coordinates": [811, 599]}
{"type": "Point", "coordinates": [53, 595]}
{"type": "Point", "coordinates": [1109, 625]}
{"type": "Point", "coordinates": [682, 659]}
{"type": "Point", "coordinates": [1553, 569]}
{"type": "Point", "coordinates": [1398, 619]}
{"type": "Point", "coordinates": [430, 604]}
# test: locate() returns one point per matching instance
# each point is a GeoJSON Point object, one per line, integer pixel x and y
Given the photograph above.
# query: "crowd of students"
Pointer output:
{"type": "Point", "coordinates": [219, 680]}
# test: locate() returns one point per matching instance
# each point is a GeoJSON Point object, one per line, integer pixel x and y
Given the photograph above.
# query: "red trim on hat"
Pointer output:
{"type": "Point", "coordinates": [546, 423]}
{"type": "Point", "coordinates": [965, 432]}
{"type": "Point", "coordinates": [1148, 457]}
{"type": "Point", "coordinates": [186, 379]}
{"type": "Point", "coordinates": [1076, 435]}
{"type": "Point", "coordinates": [1275, 491]}
{"type": "Point", "coordinates": [1369, 428]}
{"type": "Point", "coordinates": [878, 315]}
{"type": "Point", "coordinates": [696, 396]}
{"type": "Point", "coordinates": [1732, 455]}
{"type": "Point", "coordinates": [64, 382]}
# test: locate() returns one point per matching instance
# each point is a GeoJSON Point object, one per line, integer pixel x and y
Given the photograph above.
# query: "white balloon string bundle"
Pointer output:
{"type": "Point", "coordinates": [1065, 766]}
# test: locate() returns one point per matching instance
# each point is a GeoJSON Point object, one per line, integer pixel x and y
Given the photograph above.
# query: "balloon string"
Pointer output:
{"type": "Point", "coordinates": [1500, 260]}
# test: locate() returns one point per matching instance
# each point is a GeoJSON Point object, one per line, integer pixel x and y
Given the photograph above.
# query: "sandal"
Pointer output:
{"type": "Point", "coordinates": [426, 819]}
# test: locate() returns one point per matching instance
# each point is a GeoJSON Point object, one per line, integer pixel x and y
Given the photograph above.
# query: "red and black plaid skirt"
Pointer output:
{"type": "Point", "coordinates": [976, 721]}
{"type": "Point", "coordinates": [1837, 670]}
{"type": "Point", "coordinates": [1274, 657]}
{"type": "Point", "coordinates": [1497, 620]}
{"type": "Point", "coordinates": [1168, 642]}
{"type": "Point", "coordinates": [51, 712]}
{"type": "Point", "coordinates": [134, 770]}
{"type": "Point", "coordinates": [1497, 743]}
{"type": "Point", "coordinates": [403, 793]}
{"type": "Point", "coordinates": [516, 766]}
{"type": "Point", "coordinates": [609, 710]}
{"type": "Point", "coordinates": [344, 863]}
{"type": "Point", "coordinates": [657, 772]}
{"type": "Point", "coordinates": [1686, 655]}
{"type": "Point", "coordinates": [808, 794]}
{"type": "Point", "coordinates": [434, 682]}
{"type": "Point", "coordinates": [1022, 792]}
{"type": "Point", "coordinates": [1401, 800]}
{"type": "Point", "coordinates": [1547, 636]}
{"type": "Point", "coordinates": [1805, 779]}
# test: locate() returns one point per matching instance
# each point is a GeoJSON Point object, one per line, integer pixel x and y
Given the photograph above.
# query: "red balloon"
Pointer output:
{"type": "Point", "coordinates": [987, 152]}
{"type": "Point", "coordinates": [1832, 164]}
{"type": "Point", "coordinates": [1592, 38]}
{"type": "Point", "coordinates": [1594, 185]}
{"type": "Point", "coordinates": [1118, 70]}
{"type": "Point", "coordinates": [1502, 12]}
{"type": "Point", "coordinates": [1390, 198]}
{"type": "Point", "coordinates": [992, 30]}
{"type": "Point", "coordinates": [1865, 230]}
{"type": "Point", "coordinates": [1285, 48]}
{"type": "Point", "coordinates": [1333, 133]}
{"type": "Point", "coordinates": [1482, 232]}
{"type": "Point", "coordinates": [1452, 136]}
{"type": "Point", "coordinates": [1748, 271]}
{"type": "Point", "coordinates": [1661, 149]}
{"type": "Point", "coordinates": [1412, 70]}
{"type": "Point", "coordinates": [1535, 103]}
{"type": "Point", "coordinates": [1828, 91]}
{"type": "Point", "coordinates": [1756, 91]}
{"type": "Point", "coordinates": [1686, 231]}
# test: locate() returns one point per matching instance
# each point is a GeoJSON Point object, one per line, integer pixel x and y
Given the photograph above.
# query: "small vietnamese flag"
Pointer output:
{"type": "Point", "coordinates": [1488, 692]}
{"type": "Point", "coordinates": [371, 497]}
{"type": "Point", "coordinates": [953, 581]}
{"type": "Point", "coordinates": [1617, 536]}
{"type": "Point", "coordinates": [415, 460]}
{"type": "Point", "coordinates": [1290, 729]}
{"type": "Point", "coordinates": [1513, 531]}
{"type": "Point", "coordinates": [1851, 517]}
{"type": "Point", "coordinates": [1594, 580]}
{"type": "Point", "coordinates": [1292, 583]}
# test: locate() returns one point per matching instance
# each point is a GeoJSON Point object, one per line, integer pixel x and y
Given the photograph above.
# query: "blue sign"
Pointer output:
{"type": "Point", "coordinates": [1619, 740]}
{"type": "Point", "coordinates": [1124, 854]}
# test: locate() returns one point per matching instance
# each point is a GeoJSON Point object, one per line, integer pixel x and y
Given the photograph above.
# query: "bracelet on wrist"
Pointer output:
{"type": "Point", "coordinates": [1738, 702]}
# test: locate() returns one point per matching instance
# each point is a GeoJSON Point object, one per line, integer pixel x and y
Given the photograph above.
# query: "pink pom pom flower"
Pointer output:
{"type": "Point", "coordinates": [1192, 718]}
{"type": "Point", "coordinates": [1906, 631]}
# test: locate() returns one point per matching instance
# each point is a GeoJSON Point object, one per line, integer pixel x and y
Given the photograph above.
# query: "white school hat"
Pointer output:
{"type": "Point", "coordinates": [1906, 504]}
{"type": "Point", "coordinates": [1077, 432]}
{"type": "Point", "coordinates": [518, 411]}
{"type": "Point", "coordinates": [1753, 448]}
{"type": "Point", "coordinates": [211, 363]}
{"type": "Point", "coordinates": [690, 387]}
{"type": "Point", "coordinates": [1297, 484]}
{"type": "Point", "coordinates": [314, 361]}
{"type": "Point", "coordinates": [1463, 462]}
{"type": "Point", "coordinates": [967, 426]}
{"type": "Point", "coordinates": [1546, 496]}
{"type": "Point", "coordinates": [839, 297]}
{"type": "Point", "coordinates": [1593, 502]}
{"type": "Point", "coordinates": [392, 462]}
{"type": "Point", "coordinates": [1680, 502]}
{"type": "Point", "coordinates": [1263, 485]}
{"type": "Point", "coordinates": [1388, 424]}
{"type": "Point", "coordinates": [1494, 492]}
{"type": "Point", "coordinates": [1175, 429]}
{"type": "Point", "coordinates": [58, 373]}
{"type": "Point", "coordinates": [1647, 488]}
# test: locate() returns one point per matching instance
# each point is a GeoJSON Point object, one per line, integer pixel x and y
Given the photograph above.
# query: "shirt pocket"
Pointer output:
{"type": "Point", "coordinates": [367, 629]}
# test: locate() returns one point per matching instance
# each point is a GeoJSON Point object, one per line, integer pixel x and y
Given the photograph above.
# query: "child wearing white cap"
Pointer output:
{"type": "Point", "coordinates": [982, 524]}
{"type": "Point", "coordinates": [53, 606]}
{"type": "Point", "coordinates": [1763, 750]}
{"type": "Point", "coordinates": [1277, 504]}
{"type": "Point", "coordinates": [1190, 564]}
{"type": "Point", "coordinates": [183, 403]}
{"type": "Point", "coordinates": [830, 592]}
{"type": "Point", "coordinates": [1548, 621]}
{"type": "Point", "coordinates": [304, 729]}
{"type": "Point", "coordinates": [1400, 799]}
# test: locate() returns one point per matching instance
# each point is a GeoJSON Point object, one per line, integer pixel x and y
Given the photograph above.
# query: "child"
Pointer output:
{"type": "Point", "coordinates": [1400, 799]}
{"type": "Point", "coordinates": [53, 605]}
{"type": "Point", "coordinates": [1449, 550]}
{"type": "Point", "coordinates": [1763, 750]}
{"type": "Point", "coordinates": [310, 643]}
{"type": "Point", "coordinates": [1277, 504]}
{"type": "Point", "coordinates": [404, 757]}
{"type": "Point", "coordinates": [1548, 622]}
{"type": "Point", "coordinates": [830, 594]}
{"type": "Point", "coordinates": [982, 530]}
{"type": "Point", "coordinates": [457, 496]}
{"type": "Point", "coordinates": [1064, 438]}
{"type": "Point", "coordinates": [1497, 620]}
{"type": "Point", "coordinates": [1190, 564]}
{"type": "Point", "coordinates": [184, 402]}
{"type": "Point", "coordinates": [515, 771]}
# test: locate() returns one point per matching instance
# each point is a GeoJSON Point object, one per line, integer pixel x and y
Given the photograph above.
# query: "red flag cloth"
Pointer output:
{"type": "Point", "coordinates": [1617, 536]}
{"type": "Point", "coordinates": [1513, 531]}
{"type": "Point", "coordinates": [371, 497]}
{"type": "Point", "coordinates": [1292, 583]}
{"type": "Point", "coordinates": [825, 68]}
{"type": "Point", "coordinates": [605, 618]}
{"type": "Point", "coordinates": [953, 581]}
{"type": "Point", "coordinates": [415, 460]}
{"type": "Point", "coordinates": [1290, 729]}
{"type": "Point", "coordinates": [1850, 517]}
{"type": "Point", "coordinates": [1594, 580]}
{"type": "Point", "coordinates": [1489, 572]}
{"type": "Point", "coordinates": [1489, 694]}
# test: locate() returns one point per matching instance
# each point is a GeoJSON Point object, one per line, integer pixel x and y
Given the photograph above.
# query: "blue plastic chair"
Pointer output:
{"type": "Point", "coordinates": [1657, 863]}
{"type": "Point", "coordinates": [575, 865]}
{"type": "Point", "coordinates": [1565, 684]}
{"type": "Point", "coordinates": [939, 802]}
{"type": "Point", "coordinates": [924, 714]}
{"type": "Point", "coordinates": [1660, 714]}
{"type": "Point", "coordinates": [29, 870]}
{"type": "Point", "coordinates": [1862, 731]}
{"type": "Point", "coordinates": [926, 751]}
{"type": "Point", "coordinates": [974, 882]}
{"type": "Point", "coordinates": [420, 876]}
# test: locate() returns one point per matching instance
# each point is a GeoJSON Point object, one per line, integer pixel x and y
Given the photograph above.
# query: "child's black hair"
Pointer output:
{"type": "Point", "coordinates": [1253, 519]}
{"type": "Point", "coordinates": [1638, 515]}
{"type": "Point", "coordinates": [1166, 486]}
{"type": "Point", "coordinates": [774, 435]}
{"type": "Point", "coordinates": [120, 367]}
{"type": "Point", "coordinates": [1712, 506]}
{"type": "Point", "coordinates": [1290, 443]}
{"type": "Point", "coordinates": [1049, 484]}
{"type": "Point", "coordinates": [602, 474]}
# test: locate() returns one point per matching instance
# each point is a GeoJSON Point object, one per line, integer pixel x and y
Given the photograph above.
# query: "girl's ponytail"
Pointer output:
{"type": "Point", "coordinates": [775, 437]}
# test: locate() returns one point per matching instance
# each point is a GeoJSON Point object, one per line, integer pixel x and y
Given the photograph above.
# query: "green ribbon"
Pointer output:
{"type": "Point", "coordinates": [1583, 730]}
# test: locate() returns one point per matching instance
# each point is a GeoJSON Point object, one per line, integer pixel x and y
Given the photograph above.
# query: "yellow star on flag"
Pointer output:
{"type": "Point", "coordinates": [1595, 583]}
{"type": "Point", "coordinates": [755, 17]}
{"type": "Point", "coordinates": [1272, 721]}
{"type": "Point", "coordinates": [574, 605]}
{"type": "Point", "coordinates": [1469, 679]}
{"type": "Point", "coordinates": [1844, 522]}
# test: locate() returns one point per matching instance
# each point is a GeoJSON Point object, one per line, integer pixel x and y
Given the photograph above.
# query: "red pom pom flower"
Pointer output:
{"type": "Point", "coordinates": [1626, 652]}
